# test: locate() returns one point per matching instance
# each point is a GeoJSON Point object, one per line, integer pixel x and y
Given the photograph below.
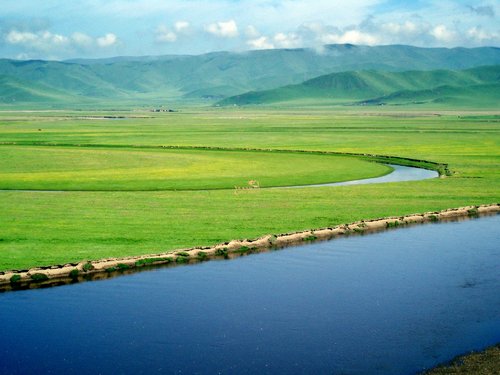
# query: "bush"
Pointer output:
{"type": "Point", "coordinates": [39, 277]}
{"type": "Point", "coordinates": [74, 273]}
{"type": "Point", "coordinates": [433, 218]}
{"type": "Point", "coordinates": [182, 259]}
{"type": "Point", "coordinates": [311, 237]}
{"type": "Point", "coordinates": [148, 261]}
{"type": "Point", "coordinates": [473, 212]}
{"type": "Point", "coordinates": [15, 278]}
{"type": "Point", "coordinates": [202, 256]}
{"type": "Point", "coordinates": [87, 267]}
{"type": "Point", "coordinates": [392, 224]}
{"type": "Point", "coordinates": [221, 252]}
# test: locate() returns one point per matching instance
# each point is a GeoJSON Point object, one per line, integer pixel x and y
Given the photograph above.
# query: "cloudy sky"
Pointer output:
{"type": "Point", "coordinates": [61, 29]}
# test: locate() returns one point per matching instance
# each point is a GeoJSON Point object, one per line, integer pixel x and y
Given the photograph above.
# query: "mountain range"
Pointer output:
{"type": "Point", "coordinates": [227, 76]}
{"type": "Point", "coordinates": [479, 86]}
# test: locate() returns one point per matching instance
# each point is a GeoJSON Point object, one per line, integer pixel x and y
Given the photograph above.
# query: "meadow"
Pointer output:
{"type": "Point", "coordinates": [66, 151]}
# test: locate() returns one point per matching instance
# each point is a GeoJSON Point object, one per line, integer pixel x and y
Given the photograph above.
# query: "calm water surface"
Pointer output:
{"type": "Point", "coordinates": [400, 173]}
{"type": "Point", "coordinates": [389, 303]}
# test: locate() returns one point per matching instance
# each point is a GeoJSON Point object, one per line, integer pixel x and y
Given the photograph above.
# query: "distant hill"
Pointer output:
{"type": "Point", "coordinates": [371, 87]}
{"type": "Point", "coordinates": [219, 75]}
{"type": "Point", "coordinates": [13, 90]}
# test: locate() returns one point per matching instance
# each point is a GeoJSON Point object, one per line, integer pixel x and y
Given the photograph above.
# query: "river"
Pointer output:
{"type": "Point", "coordinates": [394, 302]}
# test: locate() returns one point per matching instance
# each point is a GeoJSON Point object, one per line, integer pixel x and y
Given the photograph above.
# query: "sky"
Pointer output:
{"type": "Point", "coordinates": [64, 29]}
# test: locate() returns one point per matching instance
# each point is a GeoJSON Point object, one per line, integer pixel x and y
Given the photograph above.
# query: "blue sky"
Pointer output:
{"type": "Point", "coordinates": [62, 29]}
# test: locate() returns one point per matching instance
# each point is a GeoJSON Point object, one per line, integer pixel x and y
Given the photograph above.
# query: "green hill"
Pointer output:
{"type": "Point", "coordinates": [378, 87]}
{"type": "Point", "coordinates": [219, 75]}
{"type": "Point", "coordinates": [477, 96]}
{"type": "Point", "coordinates": [14, 91]}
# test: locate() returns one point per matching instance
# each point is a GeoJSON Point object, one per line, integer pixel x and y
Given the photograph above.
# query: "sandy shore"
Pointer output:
{"type": "Point", "coordinates": [98, 269]}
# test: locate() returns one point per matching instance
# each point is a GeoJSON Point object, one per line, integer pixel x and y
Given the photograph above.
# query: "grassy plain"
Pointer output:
{"type": "Point", "coordinates": [123, 168]}
{"type": "Point", "coordinates": [42, 228]}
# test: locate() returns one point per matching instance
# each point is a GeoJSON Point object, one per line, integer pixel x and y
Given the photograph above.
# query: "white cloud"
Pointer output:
{"type": "Point", "coordinates": [82, 39]}
{"type": "Point", "coordinates": [290, 40]}
{"type": "Point", "coordinates": [443, 34]}
{"type": "Point", "coordinates": [480, 36]}
{"type": "Point", "coordinates": [243, 24]}
{"type": "Point", "coordinates": [227, 29]}
{"type": "Point", "coordinates": [406, 28]}
{"type": "Point", "coordinates": [181, 26]}
{"type": "Point", "coordinates": [251, 32]}
{"type": "Point", "coordinates": [164, 34]}
{"type": "Point", "coordinates": [16, 37]}
{"type": "Point", "coordinates": [55, 44]}
{"type": "Point", "coordinates": [43, 40]}
{"type": "Point", "coordinates": [107, 40]}
{"type": "Point", "coordinates": [352, 37]}
{"type": "Point", "coordinates": [260, 43]}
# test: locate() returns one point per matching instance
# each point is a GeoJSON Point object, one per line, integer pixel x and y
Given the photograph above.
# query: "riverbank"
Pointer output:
{"type": "Point", "coordinates": [40, 229]}
{"type": "Point", "coordinates": [98, 269]}
{"type": "Point", "coordinates": [486, 362]}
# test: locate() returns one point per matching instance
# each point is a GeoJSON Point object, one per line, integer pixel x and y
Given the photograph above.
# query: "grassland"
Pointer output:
{"type": "Point", "coordinates": [42, 228]}
{"type": "Point", "coordinates": [124, 168]}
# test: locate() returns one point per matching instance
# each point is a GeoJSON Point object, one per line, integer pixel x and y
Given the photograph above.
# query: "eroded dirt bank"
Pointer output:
{"type": "Point", "coordinates": [105, 268]}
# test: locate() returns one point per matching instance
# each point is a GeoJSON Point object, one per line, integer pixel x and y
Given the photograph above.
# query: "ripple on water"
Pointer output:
{"type": "Point", "coordinates": [393, 302]}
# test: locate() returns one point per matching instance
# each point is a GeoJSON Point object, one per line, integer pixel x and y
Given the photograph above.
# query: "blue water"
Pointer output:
{"type": "Point", "coordinates": [400, 173]}
{"type": "Point", "coordinates": [394, 302]}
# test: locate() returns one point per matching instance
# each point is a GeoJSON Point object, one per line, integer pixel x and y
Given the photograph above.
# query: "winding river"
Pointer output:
{"type": "Point", "coordinates": [399, 174]}
{"type": "Point", "coordinates": [394, 302]}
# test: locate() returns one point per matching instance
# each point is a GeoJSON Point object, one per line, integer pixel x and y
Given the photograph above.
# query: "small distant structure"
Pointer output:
{"type": "Point", "coordinates": [163, 110]}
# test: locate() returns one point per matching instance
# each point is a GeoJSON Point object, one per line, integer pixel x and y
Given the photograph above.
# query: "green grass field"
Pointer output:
{"type": "Point", "coordinates": [43, 228]}
{"type": "Point", "coordinates": [112, 169]}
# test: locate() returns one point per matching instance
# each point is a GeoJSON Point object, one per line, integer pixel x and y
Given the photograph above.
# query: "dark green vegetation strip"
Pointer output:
{"type": "Point", "coordinates": [55, 228]}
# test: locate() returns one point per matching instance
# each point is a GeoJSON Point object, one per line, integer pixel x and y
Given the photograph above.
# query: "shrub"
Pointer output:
{"type": "Point", "coordinates": [182, 259]}
{"type": "Point", "coordinates": [122, 267]}
{"type": "Point", "coordinates": [243, 249]}
{"type": "Point", "coordinates": [147, 261]}
{"type": "Point", "coordinates": [222, 252]}
{"type": "Point", "coordinates": [39, 277]}
{"type": "Point", "coordinates": [473, 212]}
{"type": "Point", "coordinates": [87, 267]}
{"type": "Point", "coordinates": [202, 256]}
{"type": "Point", "coordinates": [74, 273]}
{"type": "Point", "coordinates": [392, 224]}
{"type": "Point", "coordinates": [15, 278]}
{"type": "Point", "coordinates": [311, 237]}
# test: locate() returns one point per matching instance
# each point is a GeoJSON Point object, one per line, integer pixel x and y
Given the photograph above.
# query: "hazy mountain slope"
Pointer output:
{"type": "Point", "coordinates": [357, 85]}
{"type": "Point", "coordinates": [13, 91]}
{"type": "Point", "coordinates": [222, 74]}
{"type": "Point", "coordinates": [485, 95]}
